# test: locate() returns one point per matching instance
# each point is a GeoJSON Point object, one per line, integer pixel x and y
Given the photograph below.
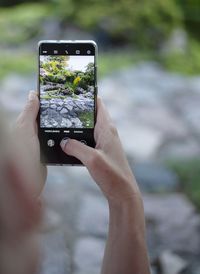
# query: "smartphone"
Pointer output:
{"type": "Point", "coordinates": [68, 94]}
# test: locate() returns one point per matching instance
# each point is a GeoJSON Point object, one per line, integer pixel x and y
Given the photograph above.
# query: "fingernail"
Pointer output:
{"type": "Point", "coordinates": [31, 95]}
{"type": "Point", "coordinates": [64, 143]}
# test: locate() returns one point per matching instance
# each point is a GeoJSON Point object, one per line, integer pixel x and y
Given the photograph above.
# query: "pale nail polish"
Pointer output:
{"type": "Point", "coordinates": [64, 143]}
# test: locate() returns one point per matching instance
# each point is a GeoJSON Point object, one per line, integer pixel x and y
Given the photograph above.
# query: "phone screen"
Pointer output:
{"type": "Point", "coordinates": [67, 91]}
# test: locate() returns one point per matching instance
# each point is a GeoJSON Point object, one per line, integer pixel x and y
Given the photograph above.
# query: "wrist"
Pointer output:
{"type": "Point", "coordinates": [128, 214]}
{"type": "Point", "coordinates": [125, 194]}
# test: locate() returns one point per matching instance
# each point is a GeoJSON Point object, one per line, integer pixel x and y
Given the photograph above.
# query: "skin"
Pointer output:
{"type": "Point", "coordinates": [22, 178]}
{"type": "Point", "coordinates": [29, 150]}
{"type": "Point", "coordinates": [19, 218]}
{"type": "Point", "coordinates": [125, 248]}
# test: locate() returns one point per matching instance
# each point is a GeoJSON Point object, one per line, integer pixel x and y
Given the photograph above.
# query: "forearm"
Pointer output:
{"type": "Point", "coordinates": [126, 251]}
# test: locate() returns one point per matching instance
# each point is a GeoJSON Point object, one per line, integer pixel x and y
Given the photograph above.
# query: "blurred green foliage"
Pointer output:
{"type": "Point", "coordinates": [119, 59]}
{"type": "Point", "coordinates": [186, 62]}
{"type": "Point", "coordinates": [191, 15]}
{"type": "Point", "coordinates": [141, 23]}
{"type": "Point", "coordinates": [189, 176]}
{"type": "Point", "coordinates": [22, 63]}
{"type": "Point", "coordinates": [8, 3]}
{"type": "Point", "coordinates": [144, 22]}
{"type": "Point", "coordinates": [87, 119]}
{"type": "Point", "coordinates": [21, 23]}
{"type": "Point", "coordinates": [142, 26]}
{"type": "Point", "coordinates": [108, 62]}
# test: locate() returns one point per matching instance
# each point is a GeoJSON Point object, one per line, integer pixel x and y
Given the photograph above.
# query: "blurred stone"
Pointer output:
{"type": "Point", "coordinates": [196, 271]}
{"type": "Point", "coordinates": [140, 141]}
{"type": "Point", "coordinates": [155, 178]}
{"type": "Point", "coordinates": [151, 116]}
{"type": "Point", "coordinates": [14, 92]}
{"type": "Point", "coordinates": [192, 114]}
{"type": "Point", "coordinates": [176, 223]}
{"type": "Point", "coordinates": [171, 263]}
{"type": "Point", "coordinates": [158, 112]}
{"type": "Point", "coordinates": [153, 242]}
{"type": "Point", "coordinates": [51, 220]}
{"type": "Point", "coordinates": [93, 216]}
{"type": "Point", "coordinates": [188, 108]}
{"type": "Point", "coordinates": [56, 258]}
{"type": "Point", "coordinates": [159, 109]}
{"type": "Point", "coordinates": [194, 83]}
{"type": "Point", "coordinates": [57, 176]}
{"type": "Point", "coordinates": [179, 150]}
{"type": "Point", "coordinates": [137, 84]}
{"type": "Point", "coordinates": [88, 255]}
{"type": "Point", "coordinates": [153, 270]}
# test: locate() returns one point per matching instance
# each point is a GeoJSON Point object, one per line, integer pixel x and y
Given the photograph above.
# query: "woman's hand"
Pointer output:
{"type": "Point", "coordinates": [106, 163]}
{"type": "Point", "coordinates": [125, 248]}
{"type": "Point", "coordinates": [26, 145]}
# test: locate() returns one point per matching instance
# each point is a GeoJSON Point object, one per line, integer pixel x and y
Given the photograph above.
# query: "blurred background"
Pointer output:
{"type": "Point", "coordinates": [149, 78]}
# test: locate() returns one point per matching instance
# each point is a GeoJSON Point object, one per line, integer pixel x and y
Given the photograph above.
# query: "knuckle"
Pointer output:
{"type": "Point", "coordinates": [113, 129]}
{"type": "Point", "coordinates": [22, 118]}
{"type": "Point", "coordinates": [29, 106]}
{"type": "Point", "coordinates": [94, 159]}
{"type": "Point", "coordinates": [70, 145]}
{"type": "Point", "coordinates": [19, 124]}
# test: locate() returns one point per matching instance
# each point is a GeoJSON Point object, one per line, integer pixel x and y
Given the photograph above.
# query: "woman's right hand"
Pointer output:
{"type": "Point", "coordinates": [106, 162]}
{"type": "Point", "coordinates": [126, 247]}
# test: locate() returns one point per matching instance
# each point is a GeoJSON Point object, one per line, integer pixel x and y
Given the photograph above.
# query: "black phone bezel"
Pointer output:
{"type": "Point", "coordinates": [71, 46]}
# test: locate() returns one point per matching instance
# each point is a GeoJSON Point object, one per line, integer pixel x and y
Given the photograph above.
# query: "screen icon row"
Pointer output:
{"type": "Point", "coordinates": [78, 52]}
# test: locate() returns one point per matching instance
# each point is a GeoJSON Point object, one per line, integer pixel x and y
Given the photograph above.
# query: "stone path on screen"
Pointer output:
{"type": "Point", "coordinates": [157, 114]}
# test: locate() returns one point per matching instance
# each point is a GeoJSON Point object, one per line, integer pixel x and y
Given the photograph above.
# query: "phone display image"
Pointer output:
{"type": "Point", "coordinates": [67, 85]}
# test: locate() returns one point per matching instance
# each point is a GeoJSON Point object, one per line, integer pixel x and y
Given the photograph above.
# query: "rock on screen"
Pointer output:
{"type": "Point", "coordinates": [67, 85]}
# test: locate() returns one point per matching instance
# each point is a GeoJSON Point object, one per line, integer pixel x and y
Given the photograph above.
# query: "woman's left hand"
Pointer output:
{"type": "Point", "coordinates": [26, 145]}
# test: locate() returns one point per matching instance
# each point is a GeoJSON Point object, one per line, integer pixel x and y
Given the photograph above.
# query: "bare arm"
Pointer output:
{"type": "Point", "coordinates": [125, 251]}
{"type": "Point", "coordinates": [126, 248]}
{"type": "Point", "coordinates": [21, 180]}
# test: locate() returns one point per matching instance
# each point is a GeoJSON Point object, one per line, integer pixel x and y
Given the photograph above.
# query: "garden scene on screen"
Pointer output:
{"type": "Point", "coordinates": [67, 91]}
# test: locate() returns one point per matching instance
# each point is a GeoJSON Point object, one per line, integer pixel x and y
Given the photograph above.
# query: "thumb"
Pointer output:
{"type": "Point", "coordinates": [30, 112]}
{"type": "Point", "coordinates": [79, 150]}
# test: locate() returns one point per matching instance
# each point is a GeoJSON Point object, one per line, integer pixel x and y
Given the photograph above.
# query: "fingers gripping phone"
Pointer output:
{"type": "Point", "coordinates": [67, 93]}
